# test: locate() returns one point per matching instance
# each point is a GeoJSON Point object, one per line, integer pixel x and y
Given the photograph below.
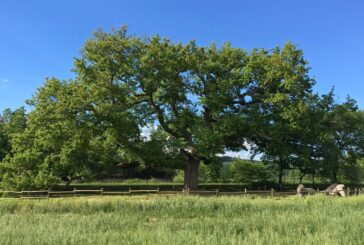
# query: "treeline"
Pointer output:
{"type": "Point", "coordinates": [196, 102]}
{"type": "Point", "coordinates": [259, 173]}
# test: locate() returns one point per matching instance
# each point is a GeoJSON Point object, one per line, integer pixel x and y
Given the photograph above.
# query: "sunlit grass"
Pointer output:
{"type": "Point", "coordinates": [182, 220]}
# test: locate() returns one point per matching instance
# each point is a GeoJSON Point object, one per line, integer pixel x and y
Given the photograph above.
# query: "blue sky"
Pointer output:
{"type": "Point", "coordinates": [40, 38]}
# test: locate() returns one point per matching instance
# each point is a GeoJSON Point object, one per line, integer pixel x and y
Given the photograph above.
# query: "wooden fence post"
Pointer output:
{"type": "Point", "coordinates": [74, 192]}
{"type": "Point", "coordinates": [217, 192]}
{"type": "Point", "coordinates": [272, 192]}
{"type": "Point", "coordinates": [48, 193]}
{"type": "Point", "coordinates": [348, 191]}
{"type": "Point", "coordinates": [129, 191]}
{"type": "Point", "coordinates": [158, 191]}
{"type": "Point", "coordinates": [102, 192]}
{"type": "Point", "coordinates": [245, 192]}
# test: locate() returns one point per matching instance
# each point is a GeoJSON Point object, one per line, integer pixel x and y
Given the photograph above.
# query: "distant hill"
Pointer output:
{"type": "Point", "coordinates": [227, 160]}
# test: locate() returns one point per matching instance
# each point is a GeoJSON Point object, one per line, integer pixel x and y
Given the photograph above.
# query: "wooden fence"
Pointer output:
{"type": "Point", "coordinates": [40, 194]}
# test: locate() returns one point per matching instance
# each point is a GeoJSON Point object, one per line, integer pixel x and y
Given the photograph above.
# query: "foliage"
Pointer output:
{"type": "Point", "coordinates": [352, 172]}
{"type": "Point", "coordinates": [198, 103]}
{"type": "Point", "coordinates": [205, 99]}
{"type": "Point", "coordinates": [179, 177]}
{"type": "Point", "coordinates": [11, 123]}
{"type": "Point", "coordinates": [245, 171]}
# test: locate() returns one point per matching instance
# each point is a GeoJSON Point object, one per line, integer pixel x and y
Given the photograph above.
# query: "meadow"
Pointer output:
{"type": "Point", "coordinates": [183, 220]}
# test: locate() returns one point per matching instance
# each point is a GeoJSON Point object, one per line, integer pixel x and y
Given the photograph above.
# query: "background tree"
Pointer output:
{"type": "Point", "coordinates": [343, 138]}
{"type": "Point", "coordinates": [283, 89]}
{"type": "Point", "coordinates": [60, 142]}
{"type": "Point", "coordinates": [248, 172]}
{"type": "Point", "coordinates": [11, 124]}
{"type": "Point", "coordinates": [4, 141]}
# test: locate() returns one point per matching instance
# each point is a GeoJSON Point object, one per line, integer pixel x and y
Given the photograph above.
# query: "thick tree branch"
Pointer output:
{"type": "Point", "coordinates": [161, 119]}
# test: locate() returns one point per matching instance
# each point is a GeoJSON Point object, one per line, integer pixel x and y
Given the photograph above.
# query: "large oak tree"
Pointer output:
{"type": "Point", "coordinates": [205, 99]}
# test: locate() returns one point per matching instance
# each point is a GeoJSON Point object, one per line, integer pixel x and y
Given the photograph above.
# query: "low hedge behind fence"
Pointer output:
{"type": "Point", "coordinates": [39, 194]}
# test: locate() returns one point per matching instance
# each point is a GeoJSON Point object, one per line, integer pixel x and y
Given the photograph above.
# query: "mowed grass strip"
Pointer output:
{"type": "Point", "coordinates": [183, 220]}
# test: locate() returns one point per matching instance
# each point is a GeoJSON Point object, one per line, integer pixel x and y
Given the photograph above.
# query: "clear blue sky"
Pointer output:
{"type": "Point", "coordinates": [40, 38]}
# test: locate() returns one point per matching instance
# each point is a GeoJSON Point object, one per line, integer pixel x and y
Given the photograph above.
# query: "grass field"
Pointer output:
{"type": "Point", "coordinates": [182, 220]}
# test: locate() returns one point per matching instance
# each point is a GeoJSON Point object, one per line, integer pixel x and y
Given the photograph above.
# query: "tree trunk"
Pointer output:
{"type": "Point", "coordinates": [280, 178]}
{"type": "Point", "coordinates": [301, 177]}
{"type": "Point", "coordinates": [334, 176]}
{"type": "Point", "coordinates": [191, 175]}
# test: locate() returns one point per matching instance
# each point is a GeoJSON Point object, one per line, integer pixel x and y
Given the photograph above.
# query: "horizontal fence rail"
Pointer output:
{"type": "Point", "coordinates": [40, 194]}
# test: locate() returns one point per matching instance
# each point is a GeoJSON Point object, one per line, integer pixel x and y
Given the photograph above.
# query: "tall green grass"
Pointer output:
{"type": "Point", "coordinates": [183, 220]}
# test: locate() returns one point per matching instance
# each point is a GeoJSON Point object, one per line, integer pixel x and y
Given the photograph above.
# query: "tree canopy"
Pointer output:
{"type": "Point", "coordinates": [199, 101]}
